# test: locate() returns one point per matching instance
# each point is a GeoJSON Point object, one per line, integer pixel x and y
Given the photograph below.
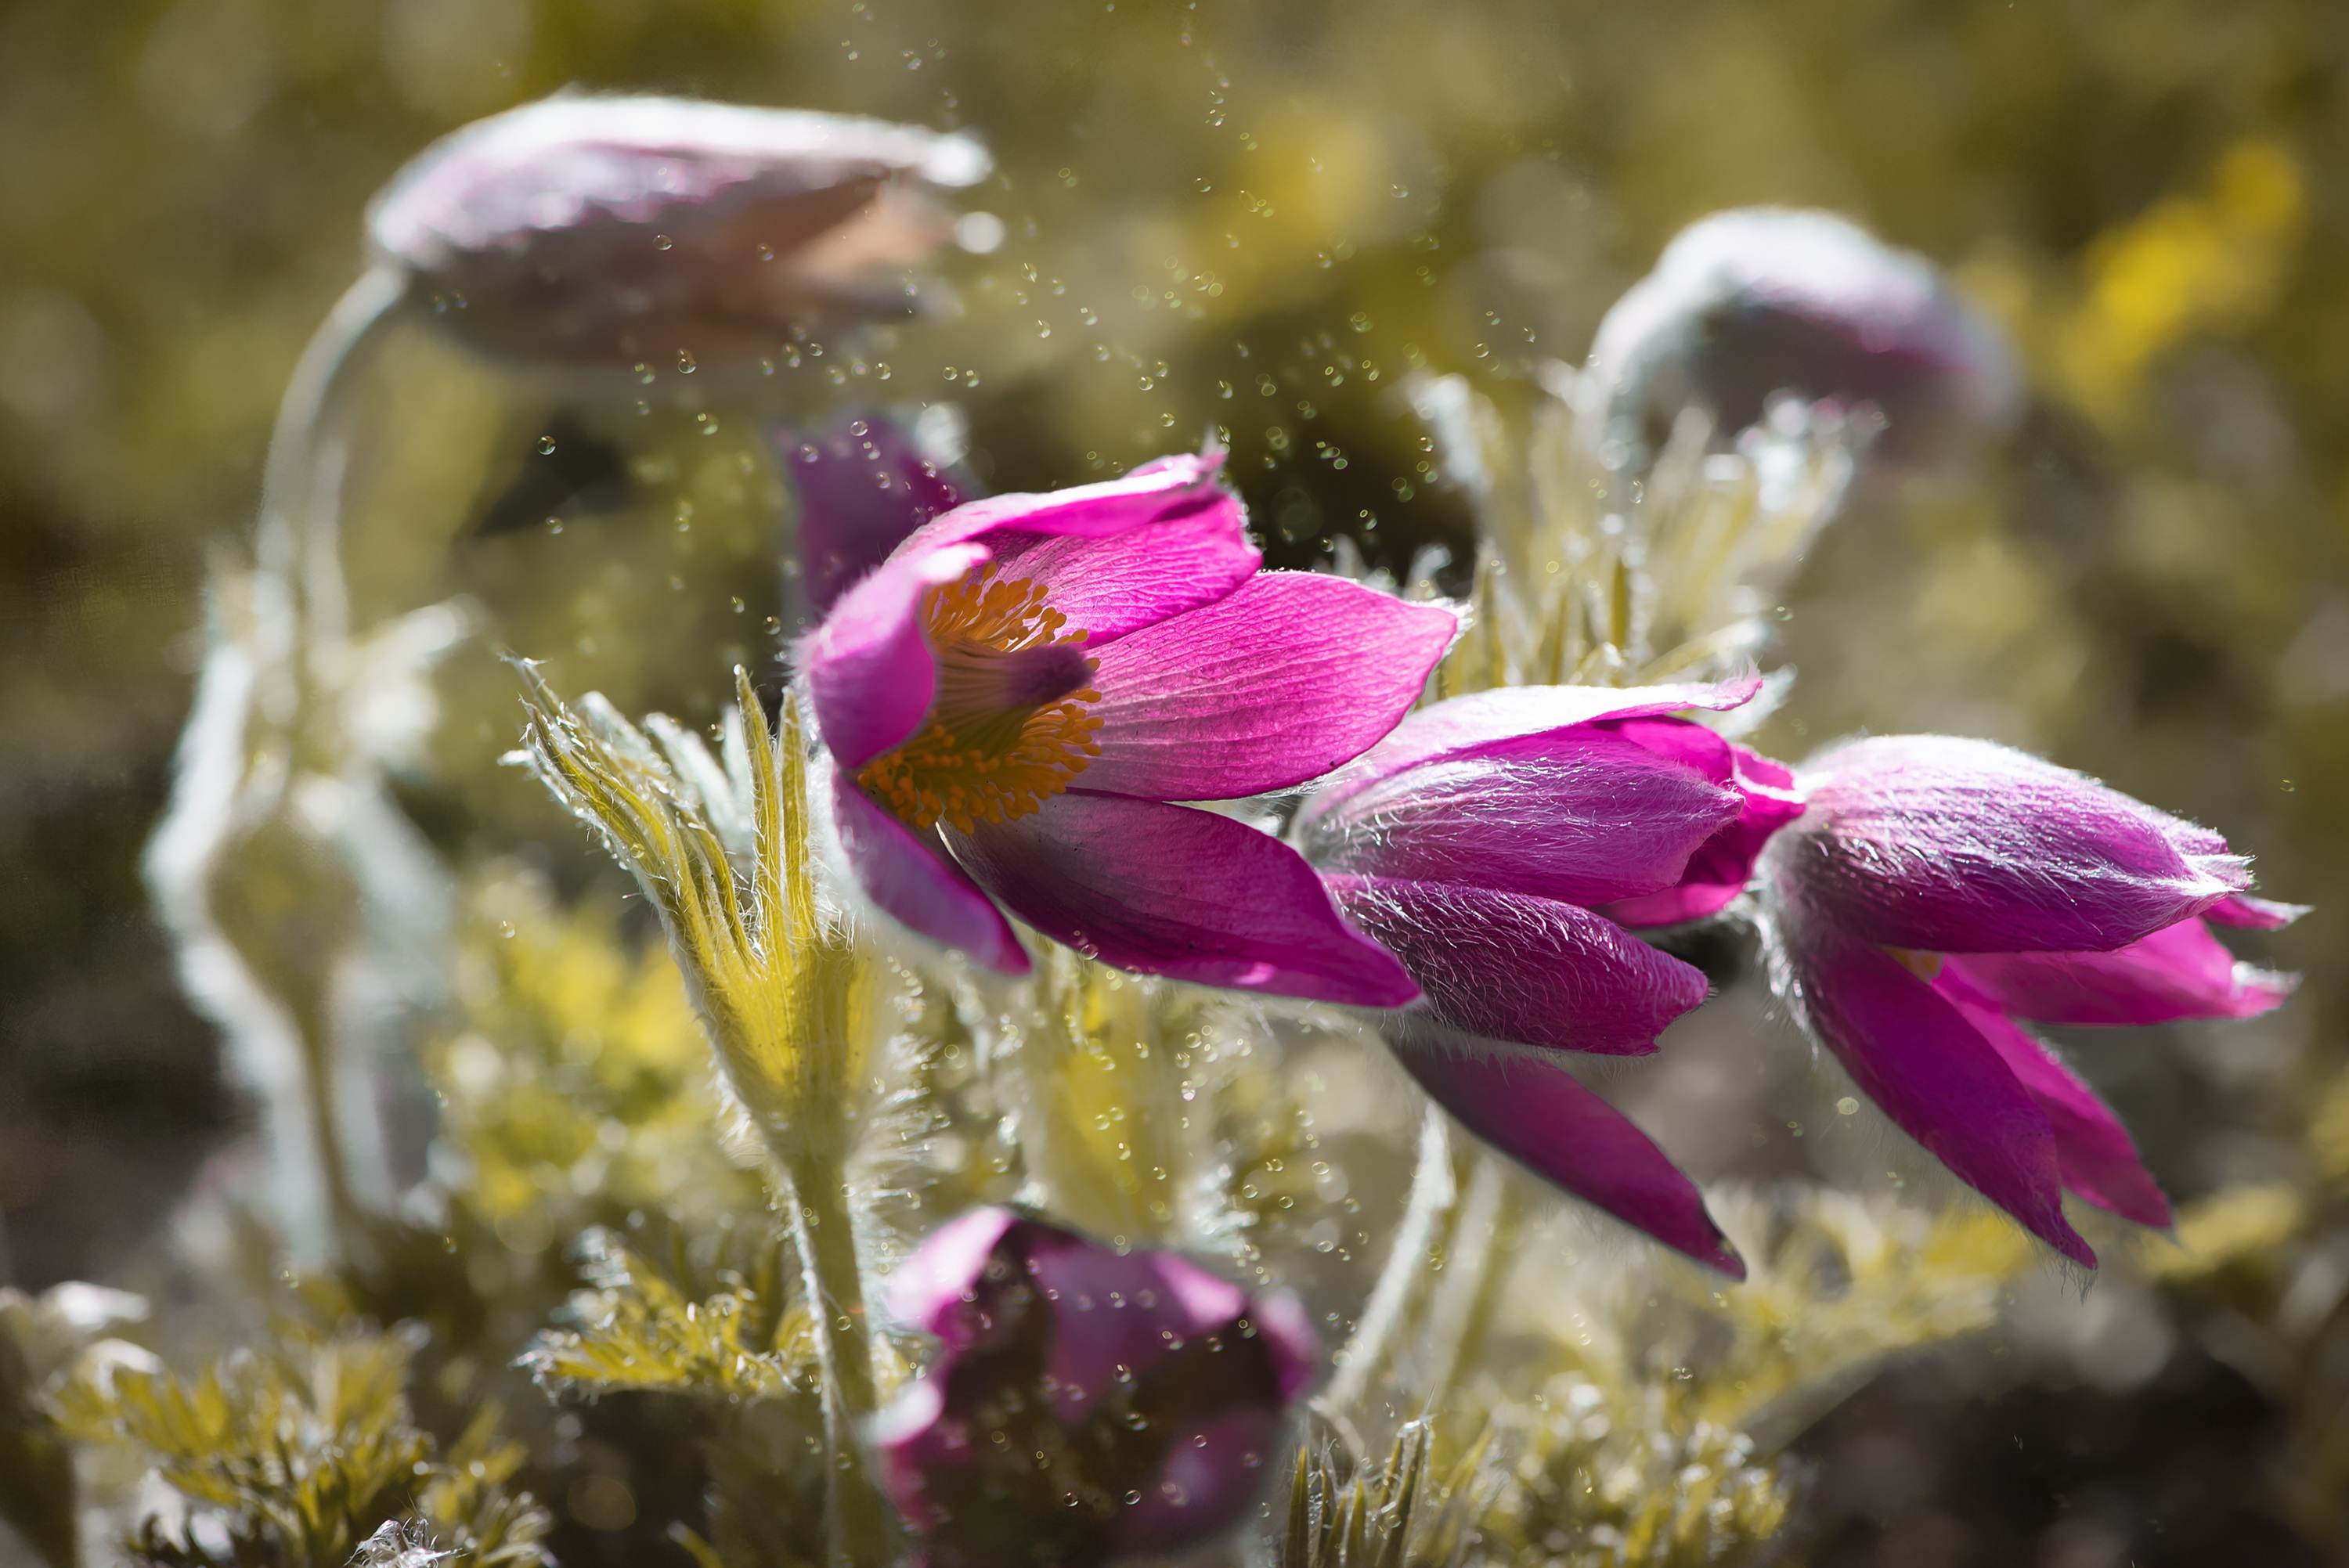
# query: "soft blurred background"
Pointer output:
{"type": "Point", "coordinates": [1259, 218]}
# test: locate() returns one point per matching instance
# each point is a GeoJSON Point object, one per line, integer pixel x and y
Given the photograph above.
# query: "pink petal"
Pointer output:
{"type": "Point", "coordinates": [1279, 682]}
{"type": "Point", "coordinates": [916, 885]}
{"type": "Point", "coordinates": [1538, 1115]}
{"type": "Point", "coordinates": [1960, 846]}
{"type": "Point", "coordinates": [1531, 970]}
{"type": "Point", "coordinates": [1166, 890]}
{"type": "Point", "coordinates": [2255, 913]}
{"type": "Point", "coordinates": [1723, 864]}
{"type": "Point", "coordinates": [1190, 555]}
{"type": "Point", "coordinates": [2098, 1160]}
{"type": "Point", "coordinates": [1488, 717]}
{"type": "Point", "coordinates": [870, 671]}
{"type": "Point", "coordinates": [869, 666]}
{"type": "Point", "coordinates": [1934, 1074]}
{"type": "Point", "coordinates": [2182, 972]}
{"type": "Point", "coordinates": [926, 1292]}
{"type": "Point", "coordinates": [1577, 814]}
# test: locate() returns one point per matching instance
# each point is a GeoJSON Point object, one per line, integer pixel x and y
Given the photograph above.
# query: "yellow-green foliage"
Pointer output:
{"type": "Point", "coordinates": [579, 1086]}
{"type": "Point", "coordinates": [301, 1450]}
{"type": "Point", "coordinates": [642, 1329]}
{"type": "Point", "coordinates": [1611, 1416]}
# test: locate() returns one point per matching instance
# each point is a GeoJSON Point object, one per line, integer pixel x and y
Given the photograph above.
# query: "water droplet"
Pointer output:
{"type": "Point", "coordinates": [546, 446]}
{"type": "Point", "coordinates": [1132, 1498]}
{"type": "Point", "coordinates": [1173, 1493]}
{"type": "Point", "coordinates": [662, 242]}
{"type": "Point", "coordinates": [685, 362]}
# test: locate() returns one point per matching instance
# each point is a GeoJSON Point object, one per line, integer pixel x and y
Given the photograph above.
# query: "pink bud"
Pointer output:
{"type": "Point", "coordinates": [613, 231]}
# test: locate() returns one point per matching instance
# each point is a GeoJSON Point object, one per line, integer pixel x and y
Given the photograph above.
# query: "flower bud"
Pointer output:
{"type": "Point", "coordinates": [611, 232]}
{"type": "Point", "coordinates": [1759, 300]}
{"type": "Point", "coordinates": [1086, 1403]}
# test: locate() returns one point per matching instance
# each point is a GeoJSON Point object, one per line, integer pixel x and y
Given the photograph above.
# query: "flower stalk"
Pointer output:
{"type": "Point", "coordinates": [778, 985]}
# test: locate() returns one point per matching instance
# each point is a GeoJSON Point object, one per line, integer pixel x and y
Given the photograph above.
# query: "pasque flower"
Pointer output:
{"type": "Point", "coordinates": [1758, 299]}
{"type": "Point", "coordinates": [1937, 889]}
{"type": "Point", "coordinates": [609, 231]}
{"type": "Point", "coordinates": [1499, 844]}
{"type": "Point", "coordinates": [1014, 699]}
{"type": "Point", "coordinates": [1085, 1403]}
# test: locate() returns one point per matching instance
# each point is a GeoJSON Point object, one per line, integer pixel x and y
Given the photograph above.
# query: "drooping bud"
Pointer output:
{"type": "Point", "coordinates": [1086, 1404]}
{"type": "Point", "coordinates": [611, 231]}
{"type": "Point", "coordinates": [1758, 300]}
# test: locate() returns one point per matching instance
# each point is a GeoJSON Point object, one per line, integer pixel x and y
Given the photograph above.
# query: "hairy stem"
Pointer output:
{"type": "Point", "coordinates": [1432, 1193]}
{"type": "Point", "coordinates": [859, 1531]}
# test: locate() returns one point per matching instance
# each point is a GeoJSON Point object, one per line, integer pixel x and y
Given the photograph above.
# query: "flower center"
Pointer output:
{"type": "Point", "coordinates": [1009, 728]}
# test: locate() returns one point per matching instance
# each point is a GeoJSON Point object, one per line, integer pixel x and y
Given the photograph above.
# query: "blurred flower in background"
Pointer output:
{"type": "Point", "coordinates": [1086, 1403]}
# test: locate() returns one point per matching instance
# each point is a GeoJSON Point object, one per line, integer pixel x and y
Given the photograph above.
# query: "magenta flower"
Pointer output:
{"type": "Point", "coordinates": [1936, 889]}
{"type": "Point", "coordinates": [1499, 844]}
{"type": "Point", "coordinates": [1016, 698]}
{"type": "Point", "coordinates": [861, 486]}
{"type": "Point", "coordinates": [611, 230]}
{"type": "Point", "coordinates": [1086, 1403]}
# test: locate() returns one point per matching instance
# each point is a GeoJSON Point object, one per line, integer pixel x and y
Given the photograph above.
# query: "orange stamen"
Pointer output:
{"type": "Point", "coordinates": [1006, 733]}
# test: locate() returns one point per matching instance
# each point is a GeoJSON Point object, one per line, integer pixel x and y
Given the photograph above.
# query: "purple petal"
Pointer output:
{"type": "Point", "coordinates": [1128, 1310]}
{"type": "Point", "coordinates": [1165, 889]}
{"type": "Point", "coordinates": [1279, 682]}
{"type": "Point", "coordinates": [1488, 718]}
{"type": "Point", "coordinates": [2241, 909]}
{"type": "Point", "coordinates": [1541, 1116]}
{"type": "Point", "coordinates": [2098, 1160]}
{"type": "Point", "coordinates": [862, 488]}
{"type": "Point", "coordinates": [916, 885]}
{"type": "Point", "coordinates": [1961, 846]}
{"type": "Point", "coordinates": [1205, 1486]}
{"type": "Point", "coordinates": [1722, 866]}
{"type": "Point", "coordinates": [1577, 815]}
{"type": "Point", "coordinates": [1531, 970]}
{"type": "Point", "coordinates": [2179, 973]}
{"type": "Point", "coordinates": [1919, 1060]}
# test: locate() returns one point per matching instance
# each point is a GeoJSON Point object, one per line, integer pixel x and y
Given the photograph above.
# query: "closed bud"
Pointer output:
{"type": "Point", "coordinates": [1086, 1404]}
{"type": "Point", "coordinates": [614, 231]}
{"type": "Point", "coordinates": [1760, 300]}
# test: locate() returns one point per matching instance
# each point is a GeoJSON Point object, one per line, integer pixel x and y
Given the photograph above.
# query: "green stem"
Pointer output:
{"type": "Point", "coordinates": [859, 1531]}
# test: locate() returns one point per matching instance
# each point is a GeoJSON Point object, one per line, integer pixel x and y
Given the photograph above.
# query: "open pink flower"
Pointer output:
{"type": "Point", "coordinates": [1936, 889]}
{"type": "Point", "coordinates": [1016, 698]}
{"type": "Point", "coordinates": [1499, 844]}
{"type": "Point", "coordinates": [1086, 1403]}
